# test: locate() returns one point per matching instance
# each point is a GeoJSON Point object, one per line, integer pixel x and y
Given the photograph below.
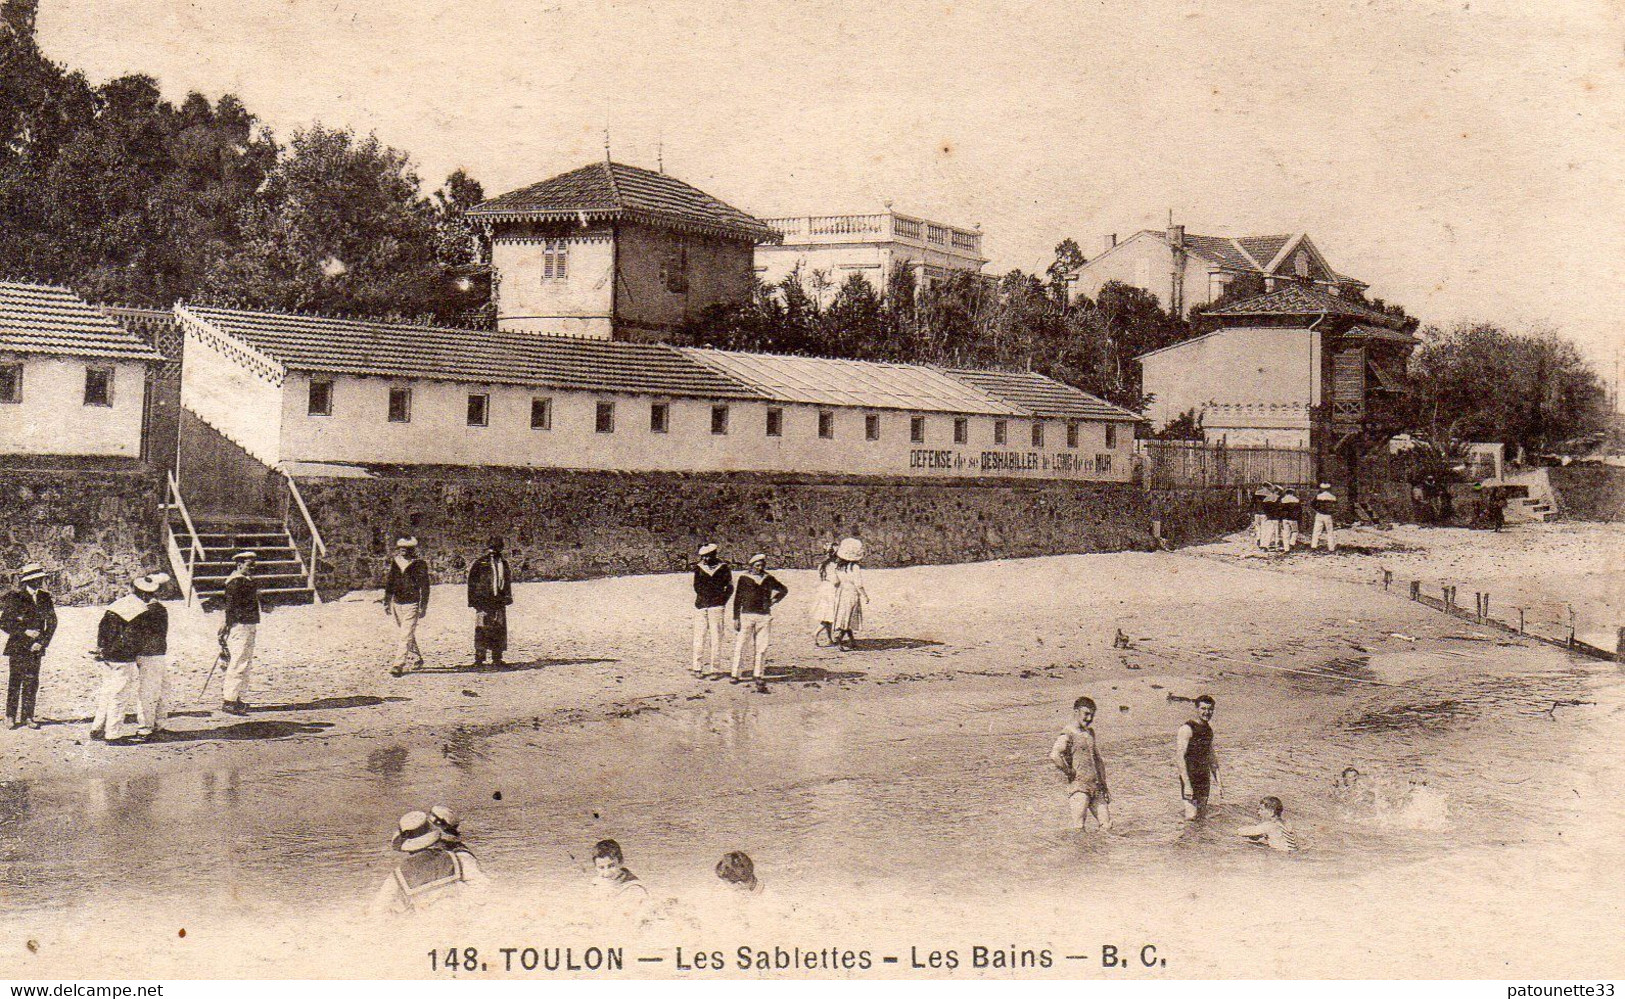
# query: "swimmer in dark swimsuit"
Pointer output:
{"type": "Point", "coordinates": [1198, 764]}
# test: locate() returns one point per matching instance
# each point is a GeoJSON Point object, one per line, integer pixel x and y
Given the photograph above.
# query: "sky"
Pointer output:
{"type": "Point", "coordinates": [1463, 158]}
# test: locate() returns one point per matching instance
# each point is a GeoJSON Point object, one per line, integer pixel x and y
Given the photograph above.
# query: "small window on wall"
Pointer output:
{"type": "Point", "coordinates": [98, 386]}
{"type": "Point", "coordinates": [604, 418]}
{"type": "Point", "coordinates": [541, 414]}
{"type": "Point", "coordinates": [1038, 435]}
{"type": "Point", "coordinates": [1001, 431]}
{"type": "Point", "coordinates": [321, 398]}
{"type": "Point", "coordinates": [775, 422]}
{"type": "Point", "coordinates": [400, 405]}
{"type": "Point", "coordinates": [871, 426]}
{"type": "Point", "coordinates": [659, 417]}
{"type": "Point", "coordinates": [1111, 436]}
{"type": "Point", "coordinates": [479, 410]}
{"type": "Point", "coordinates": [961, 430]}
{"type": "Point", "coordinates": [555, 259]}
{"type": "Point", "coordinates": [719, 420]}
{"type": "Point", "coordinates": [916, 429]}
{"type": "Point", "coordinates": [1072, 434]}
{"type": "Point", "coordinates": [11, 383]}
{"type": "Point", "coordinates": [826, 424]}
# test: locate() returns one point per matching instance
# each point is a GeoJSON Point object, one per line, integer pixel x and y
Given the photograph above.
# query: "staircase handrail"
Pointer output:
{"type": "Point", "coordinates": [317, 547]}
{"type": "Point", "coordinates": [195, 550]}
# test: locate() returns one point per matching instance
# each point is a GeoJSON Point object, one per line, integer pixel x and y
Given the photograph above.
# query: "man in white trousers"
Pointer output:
{"type": "Point", "coordinates": [713, 585]}
{"type": "Point", "coordinates": [1325, 507]}
{"type": "Point", "coordinates": [118, 641]}
{"type": "Point", "coordinates": [754, 597]}
{"type": "Point", "coordinates": [152, 657]}
{"type": "Point", "coordinates": [241, 631]}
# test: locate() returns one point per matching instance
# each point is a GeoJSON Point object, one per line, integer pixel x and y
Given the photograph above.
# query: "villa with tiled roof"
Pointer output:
{"type": "Point", "coordinates": [72, 381]}
{"type": "Point", "coordinates": [1185, 270]}
{"type": "Point", "coordinates": [615, 252]}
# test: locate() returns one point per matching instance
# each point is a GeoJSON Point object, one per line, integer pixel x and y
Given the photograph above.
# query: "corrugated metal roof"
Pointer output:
{"type": "Point", "coordinates": [332, 345]}
{"type": "Point", "coordinates": [1042, 397]}
{"type": "Point", "coordinates": [45, 319]}
{"type": "Point", "coordinates": [821, 381]}
{"type": "Point", "coordinates": [617, 189]}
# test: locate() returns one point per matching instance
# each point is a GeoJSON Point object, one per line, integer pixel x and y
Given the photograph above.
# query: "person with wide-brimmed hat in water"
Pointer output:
{"type": "Point", "coordinates": [432, 872]}
{"type": "Point", "coordinates": [28, 617]}
{"type": "Point", "coordinates": [850, 594]}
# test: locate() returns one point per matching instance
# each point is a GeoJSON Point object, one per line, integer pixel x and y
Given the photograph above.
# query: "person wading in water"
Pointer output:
{"type": "Point", "coordinates": [1198, 765]}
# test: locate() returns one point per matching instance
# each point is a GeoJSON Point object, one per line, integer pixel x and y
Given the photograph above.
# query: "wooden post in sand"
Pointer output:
{"type": "Point", "coordinates": [1520, 620]}
{"type": "Point", "coordinates": [1619, 646]}
{"type": "Point", "coordinates": [1484, 615]}
{"type": "Point", "coordinates": [1387, 578]}
{"type": "Point", "coordinates": [1416, 589]}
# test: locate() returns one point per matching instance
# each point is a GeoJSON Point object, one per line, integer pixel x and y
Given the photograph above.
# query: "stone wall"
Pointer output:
{"type": "Point", "coordinates": [1590, 492]}
{"type": "Point", "coordinates": [573, 525]}
{"type": "Point", "coordinates": [95, 524]}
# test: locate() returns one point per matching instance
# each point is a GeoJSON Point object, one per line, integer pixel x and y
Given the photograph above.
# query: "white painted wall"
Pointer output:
{"type": "Point", "coordinates": [578, 305]}
{"type": "Point", "coordinates": [359, 432]}
{"type": "Point", "coordinates": [231, 399]}
{"type": "Point", "coordinates": [52, 417]}
{"type": "Point", "coordinates": [1261, 379]}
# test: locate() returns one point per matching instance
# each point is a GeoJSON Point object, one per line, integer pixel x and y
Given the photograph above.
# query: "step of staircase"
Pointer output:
{"type": "Point", "coordinates": [279, 569]}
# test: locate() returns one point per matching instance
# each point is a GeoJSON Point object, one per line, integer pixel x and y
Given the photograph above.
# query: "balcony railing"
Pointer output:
{"type": "Point", "coordinates": [876, 229]}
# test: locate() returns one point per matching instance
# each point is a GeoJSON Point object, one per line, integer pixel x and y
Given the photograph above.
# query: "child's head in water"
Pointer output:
{"type": "Point", "coordinates": [737, 871]}
{"type": "Point", "coordinates": [608, 859]}
{"type": "Point", "coordinates": [1084, 709]}
{"type": "Point", "coordinates": [1269, 807]}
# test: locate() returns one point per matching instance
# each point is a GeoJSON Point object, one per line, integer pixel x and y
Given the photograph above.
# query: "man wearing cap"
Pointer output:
{"type": "Point", "coordinates": [713, 585]}
{"type": "Point", "coordinates": [490, 592]}
{"type": "Point", "coordinates": [431, 873]}
{"type": "Point", "coordinates": [28, 617]}
{"type": "Point", "coordinates": [406, 599]}
{"type": "Point", "coordinates": [118, 643]}
{"type": "Point", "coordinates": [1289, 508]}
{"type": "Point", "coordinates": [754, 597]}
{"type": "Point", "coordinates": [240, 631]}
{"type": "Point", "coordinates": [1325, 507]}
{"type": "Point", "coordinates": [152, 657]}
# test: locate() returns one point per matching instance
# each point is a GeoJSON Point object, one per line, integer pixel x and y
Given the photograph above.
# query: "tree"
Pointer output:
{"type": "Point", "coordinates": [341, 226]}
{"type": "Point", "coordinates": [1479, 382]}
{"type": "Point", "coordinates": [1068, 261]}
{"type": "Point", "coordinates": [1122, 323]}
{"type": "Point", "coordinates": [855, 324]}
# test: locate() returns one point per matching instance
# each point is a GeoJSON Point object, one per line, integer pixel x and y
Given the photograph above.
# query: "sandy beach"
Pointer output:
{"type": "Point", "coordinates": [893, 797]}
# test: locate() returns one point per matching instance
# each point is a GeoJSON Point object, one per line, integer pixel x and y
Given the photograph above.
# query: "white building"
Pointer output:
{"type": "Point", "coordinates": [293, 390]}
{"type": "Point", "coordinates": [873, 246]}
{"type": "Point", "coordinates": [72, 382]}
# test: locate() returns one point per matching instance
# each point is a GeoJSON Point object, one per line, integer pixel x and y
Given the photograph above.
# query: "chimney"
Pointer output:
{"type": "Point", "coordinates": [1176, 236]}
{"type": "Point", "coordinates": [1109, 242]}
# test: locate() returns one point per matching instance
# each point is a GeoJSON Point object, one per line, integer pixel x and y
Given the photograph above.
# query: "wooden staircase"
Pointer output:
{"type": "Point", "coordinates": [201, 553]}
{"type": "Point", "coordinates": [280, 571]}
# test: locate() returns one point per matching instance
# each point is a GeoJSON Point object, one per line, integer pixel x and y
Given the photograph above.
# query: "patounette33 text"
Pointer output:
{"type": "Point", "coordinates": [776, 958]}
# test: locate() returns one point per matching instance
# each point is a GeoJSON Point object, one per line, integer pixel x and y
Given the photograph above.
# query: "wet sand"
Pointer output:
{"type": "Point", "coordinates": [896, 796]}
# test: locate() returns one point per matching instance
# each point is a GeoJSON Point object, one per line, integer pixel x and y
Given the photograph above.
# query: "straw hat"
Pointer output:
{"type": "Point", "coordinates": [416, 832]}
{"type": "Point", "coordinates": [245, 556]}
{"type": "Point", "coordinates": [32, 570]}
{"type": "Point", "coordinates": [851, 550]}
{"type": "Point", "coordinates": [407, 542]}
{"type": "Point", "coordinates": [152, 582]}
{"type": "Point", "coordinates": [708, 549]}
{"type": "Point", "coordinates": [447, 821]}
{"type": "Point", "coordinates": [758, 557]}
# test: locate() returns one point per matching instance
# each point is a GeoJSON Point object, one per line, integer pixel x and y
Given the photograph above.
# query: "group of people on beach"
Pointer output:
{"type": "Point", "coordinates": [1278, 517]}
{"type": "Point", "coordinates": [1076, 753]}
{"type": "Point", "coordinates": [132, 645]}
{"type": "Point", "coordinates": [837, 607]}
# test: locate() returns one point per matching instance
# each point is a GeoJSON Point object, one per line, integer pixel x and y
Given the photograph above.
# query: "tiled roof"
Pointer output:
{"type": "Point", "coordinates": [1300, 300]}
{"type": "Point", "coordinates": [1263, 248]}
{"type": "Point", "coordinates": [822, 381]}
{"type": "Point", "coordinates": [615, 190]}
{"type": "Point", "coordinates": [1379, 333]}
{"type": "Point", "coordinates": [44, 319]}
{"type": "Point", "coordinates": [364, 347]}
{"type": "Point", "coordinates": [1221, 250]}
{"type": "Point", "coordinates": [1041, 396]}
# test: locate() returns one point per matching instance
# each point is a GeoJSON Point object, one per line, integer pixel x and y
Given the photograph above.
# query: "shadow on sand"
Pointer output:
{"type": "Point", "coordinates": [810, 674]}
{"type": "Point", "coordinates": [246, 730]}
{"type": "Point", "coordinates": [333, 703]}
{"type": "Point", "coordinates": [892, 644]}
{"type": "Point", "coordinates": [514, 667]}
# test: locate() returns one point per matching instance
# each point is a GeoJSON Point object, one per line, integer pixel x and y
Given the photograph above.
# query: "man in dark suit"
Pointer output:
{"type": "Point", "coordinates": [490, 592]}
{"type": "Point", "coordinates": [28, 617]}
